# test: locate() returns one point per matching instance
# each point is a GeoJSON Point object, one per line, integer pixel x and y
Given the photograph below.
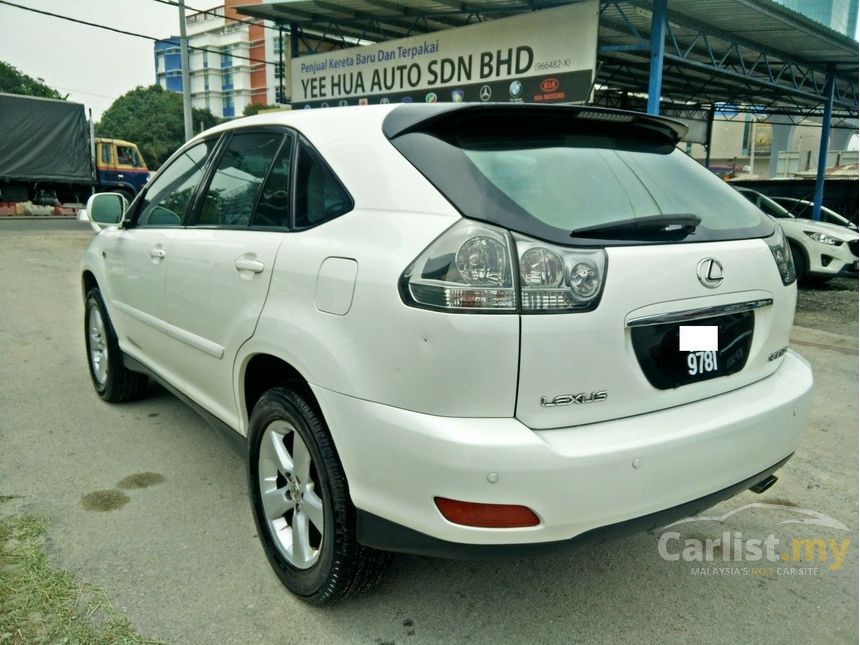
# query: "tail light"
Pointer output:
{"type": "Point", "coordinates": [470, 268]}
{"type": "Point", "coordinates": [782, 256]}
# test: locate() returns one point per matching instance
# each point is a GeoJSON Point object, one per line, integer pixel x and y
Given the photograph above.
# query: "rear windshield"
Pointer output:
{"type": "Point", "coordinates": [548, 184]}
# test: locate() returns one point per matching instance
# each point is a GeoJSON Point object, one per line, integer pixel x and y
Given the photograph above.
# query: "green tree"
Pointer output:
{"type": "Point", "coordinates": [13, 81]}
{"type": "Point", "coordinates": [152, 118]}
{"type": "Point", "coordinates": [254, 108]}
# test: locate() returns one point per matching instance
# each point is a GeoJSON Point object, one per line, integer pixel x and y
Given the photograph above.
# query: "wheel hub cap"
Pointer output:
{"type": "Point", "coordinates": [98, 345]}
{"type": "Point", "coordinates": [292, 508]}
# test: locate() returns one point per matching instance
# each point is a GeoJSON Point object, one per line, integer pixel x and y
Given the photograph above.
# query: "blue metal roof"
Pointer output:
{"type": "Point", "coordinates": [753, 54]}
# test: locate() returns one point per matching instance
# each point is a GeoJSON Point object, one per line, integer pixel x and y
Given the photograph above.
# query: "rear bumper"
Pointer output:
{"type": "Point", "coordinates": [376, 532]}
{"type": "Point", "coordinates": [577, 480]}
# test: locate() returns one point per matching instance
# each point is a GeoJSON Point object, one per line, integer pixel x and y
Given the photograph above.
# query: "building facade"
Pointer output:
{"type": "Point", "coordinates": [231, 62]}
{"type": "Point", "coordinates": [839, 15]}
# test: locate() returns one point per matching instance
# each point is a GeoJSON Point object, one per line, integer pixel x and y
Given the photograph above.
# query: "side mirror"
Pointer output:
{"type": "Point", "coordinates": [103, 209]}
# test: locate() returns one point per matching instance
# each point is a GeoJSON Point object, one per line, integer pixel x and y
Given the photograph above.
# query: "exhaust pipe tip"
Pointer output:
{"type": "Point", "coordinates": [764, 484]}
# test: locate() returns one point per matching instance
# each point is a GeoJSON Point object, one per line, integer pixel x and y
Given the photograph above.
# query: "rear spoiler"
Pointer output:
{"type": "Point", "coordinates": [423, 117]}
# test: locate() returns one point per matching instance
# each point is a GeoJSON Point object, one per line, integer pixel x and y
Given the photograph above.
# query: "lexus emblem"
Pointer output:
{"type": "Point", "coordinates": [710, 273]}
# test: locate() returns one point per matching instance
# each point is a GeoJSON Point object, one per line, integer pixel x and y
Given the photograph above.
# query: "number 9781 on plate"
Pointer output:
{"type": "Point", "coordinates": [702, 363]}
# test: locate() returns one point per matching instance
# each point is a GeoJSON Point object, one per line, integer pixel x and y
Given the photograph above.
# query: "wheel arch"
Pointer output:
{"type": "Point", "coordinates": [262, 371]}
{"type": "Point", "coordinates": [88, 282]}
{"type": "Point", "coordinates": [794, 244]}
{"type": "Point", "coordinates": [128, 190]}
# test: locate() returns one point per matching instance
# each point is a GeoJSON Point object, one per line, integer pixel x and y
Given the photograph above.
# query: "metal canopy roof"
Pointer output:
{"type": "Point", "coordinates": [742, 52]}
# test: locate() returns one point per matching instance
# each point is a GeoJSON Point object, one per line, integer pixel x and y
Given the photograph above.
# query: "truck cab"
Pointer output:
{"type": "Point", "coordinates": [120, 167]}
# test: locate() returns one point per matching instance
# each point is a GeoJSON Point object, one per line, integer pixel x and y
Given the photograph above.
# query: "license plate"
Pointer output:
{"type": "Point", "coordinates": [701, 362]}
{"type": "Point", "coordinates": [666, 366]}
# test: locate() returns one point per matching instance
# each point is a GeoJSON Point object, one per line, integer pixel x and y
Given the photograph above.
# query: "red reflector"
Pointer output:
{"type": "Point", "coordinates": [488, 516]}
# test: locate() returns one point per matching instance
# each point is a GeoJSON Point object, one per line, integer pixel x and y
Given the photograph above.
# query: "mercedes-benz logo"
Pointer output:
{"type": "Point", "coordinates": [710, 273]}
{"type": "Point", "coordinates": [486, 93]}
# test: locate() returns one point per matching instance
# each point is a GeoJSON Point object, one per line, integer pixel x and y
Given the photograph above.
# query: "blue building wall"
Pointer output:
{"type": "Point", "coordinates": [172, 74]}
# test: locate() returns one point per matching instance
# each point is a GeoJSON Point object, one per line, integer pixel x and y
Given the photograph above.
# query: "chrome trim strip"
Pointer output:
{"type": "Point", "coordinates": [698, 314]}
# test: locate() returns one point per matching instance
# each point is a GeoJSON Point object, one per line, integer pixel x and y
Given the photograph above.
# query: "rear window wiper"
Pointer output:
{"type": "Point", "coordinates": [657, 227]}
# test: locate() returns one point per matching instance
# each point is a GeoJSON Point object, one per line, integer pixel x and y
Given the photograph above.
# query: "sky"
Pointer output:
{"type": "Point", "coordinates": [92, 66]}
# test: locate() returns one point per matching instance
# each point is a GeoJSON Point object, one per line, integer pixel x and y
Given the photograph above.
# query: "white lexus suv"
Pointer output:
{"type": "Point", "coordinates": [455, 330]}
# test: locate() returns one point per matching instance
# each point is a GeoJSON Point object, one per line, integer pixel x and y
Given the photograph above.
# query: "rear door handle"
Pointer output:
{"type": "Point", "coordinates": [157, 253]}
{"type": "Point", "coordinates": [244, 264]}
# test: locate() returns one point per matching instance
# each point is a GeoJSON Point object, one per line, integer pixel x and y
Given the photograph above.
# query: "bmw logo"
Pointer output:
{"type": "Point", "coordinates": [516, 90]}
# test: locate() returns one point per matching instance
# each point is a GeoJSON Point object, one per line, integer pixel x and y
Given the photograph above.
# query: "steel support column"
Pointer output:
{"type": "Point", "coordinates": [282, 66]}
{"type": "Point", "coordinates": [658, 47]}
{"type": "Point", "coordinates": [710, 133]}
{"type": "Point", "coordinates": [822, 150]}
{"type": "Point", "coordinates": [294, 40]}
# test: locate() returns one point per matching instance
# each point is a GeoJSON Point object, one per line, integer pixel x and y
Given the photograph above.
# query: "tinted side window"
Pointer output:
{"type": "Point", "coordinates": [800, 210]}
{"type": "Point", "coordinates": [168, 199]}
{"type": "Point", "coordinates": [241, 170]}
{"type": "Point", "coordinates": [771, 208]}
{"type": "Point", "coordinates": [273, 207]}
{"type": "Point", "coordinates": [319, 195]}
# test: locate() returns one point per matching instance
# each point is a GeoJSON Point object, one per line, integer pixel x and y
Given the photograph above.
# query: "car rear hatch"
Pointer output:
{"type": "Point", "coordinates": [688, 293]}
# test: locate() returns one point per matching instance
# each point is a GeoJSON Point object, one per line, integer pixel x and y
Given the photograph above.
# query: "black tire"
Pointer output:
{"type": "Point", "coordinates": [343, 566]}
{"type": "Point", "coordinates": [799, 259]}
{"type": "Point", "coordinates": [116, 384]}
{"type": "Point", "coordinates": [817, 280]}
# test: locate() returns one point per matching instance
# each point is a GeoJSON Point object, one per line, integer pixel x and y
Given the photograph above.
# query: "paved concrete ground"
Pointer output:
{"type": "Point", "coordinates": [179, 554]}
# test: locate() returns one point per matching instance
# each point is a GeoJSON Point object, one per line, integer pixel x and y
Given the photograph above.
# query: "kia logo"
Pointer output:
{"type": "Point", "coordinates": [710, 273]}
{"type": "Point", "coordinates": [549, 84]}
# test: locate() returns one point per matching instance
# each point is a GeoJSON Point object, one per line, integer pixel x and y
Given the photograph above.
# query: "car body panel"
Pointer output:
{"type": "Point", "coordinates": [582, 352]}
{"type": "Point", "coordinates": [132, 274]}
{"type": "Point", "coordinates": [409, 358]}
{"type": "Point", "coordinates": [215, 306]}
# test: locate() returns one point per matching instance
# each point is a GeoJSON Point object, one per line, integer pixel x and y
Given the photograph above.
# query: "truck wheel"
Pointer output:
{"type": "Point", "coordinates": [301, 504]}
{"type": "Point", "coordinates": [128, 196]}
{"type": "Point", "coordinates": [112, 381]}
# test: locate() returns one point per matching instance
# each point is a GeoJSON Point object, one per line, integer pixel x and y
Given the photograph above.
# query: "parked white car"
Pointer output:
{"type": "Point", "coordinates": [455, 330]}
{"type": "Point", "coordinates": [802, 208]}
{"type": "Point", "coordinates": [820, 250]}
